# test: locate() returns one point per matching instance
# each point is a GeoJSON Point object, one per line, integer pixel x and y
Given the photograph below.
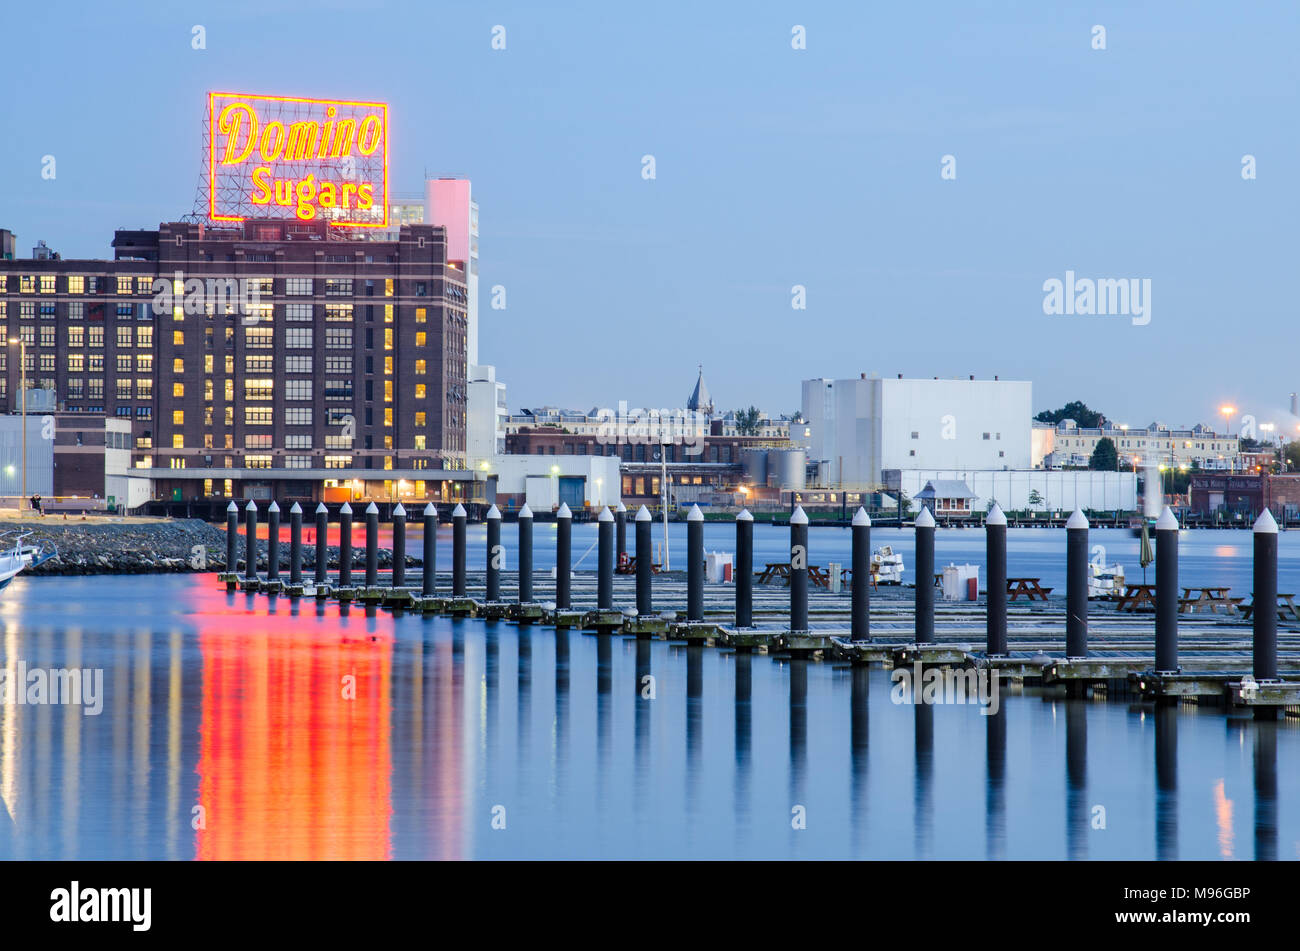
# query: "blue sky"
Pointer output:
{"type": "Point", "coordinates": [774, 167]}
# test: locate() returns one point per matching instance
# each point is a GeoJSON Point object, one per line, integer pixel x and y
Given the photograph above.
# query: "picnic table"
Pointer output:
{"type": "Point", "coordinates": [1286, 608]}
{"type": "Point", "coordinates": [1029, 587]}
{"type": "Point", "coordinates": [1209, 597]}
{"type": "Point", "coordinates": [1136, 597]}
{"type": "Point", "coordinates": [628, 566]}
{"type": "Point", "coordinates": [781, 569]}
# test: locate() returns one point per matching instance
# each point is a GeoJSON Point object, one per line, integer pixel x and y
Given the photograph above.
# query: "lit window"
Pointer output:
{"type": "Point", "coordinates": [421, 391]}
{"type": "Point", "coordinates": [178, 441]}
{"type": "Point", "coordinates": [178, 417]}
{"type": "Point", "coordinates": [178, 390]}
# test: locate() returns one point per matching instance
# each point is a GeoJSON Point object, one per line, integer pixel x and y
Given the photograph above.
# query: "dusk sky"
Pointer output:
{"type": "Point", "coordinates": [774, 167]}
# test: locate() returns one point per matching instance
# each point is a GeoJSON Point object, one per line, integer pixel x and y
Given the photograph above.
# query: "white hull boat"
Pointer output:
{"type": "Point", "coordinates": [20, 557]}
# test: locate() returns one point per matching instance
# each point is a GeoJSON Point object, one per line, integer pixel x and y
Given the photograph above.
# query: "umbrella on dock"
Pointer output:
{"type": "Point", "coordinates": [1144, 550]}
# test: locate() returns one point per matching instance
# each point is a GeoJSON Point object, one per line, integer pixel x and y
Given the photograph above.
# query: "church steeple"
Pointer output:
{"type": "Point", "coordinates": [700, 401]}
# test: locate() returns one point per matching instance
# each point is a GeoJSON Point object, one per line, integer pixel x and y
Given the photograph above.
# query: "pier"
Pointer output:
{"type": "Point", "coordinates": [1081, 646]}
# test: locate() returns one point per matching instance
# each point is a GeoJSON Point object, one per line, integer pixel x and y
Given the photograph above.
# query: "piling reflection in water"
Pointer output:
{"type": "Point", "coordinates": [1265, 763]}
{"type": "Point", "coordinates": [1077, 818]}
{"type": "Point", "coordinates": [1166, 718]}
{"type": "Point", "coordinates": [995, 790]}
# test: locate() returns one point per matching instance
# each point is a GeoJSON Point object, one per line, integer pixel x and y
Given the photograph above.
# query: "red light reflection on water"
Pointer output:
{"type": "Point", "coordinates": [289, 767]}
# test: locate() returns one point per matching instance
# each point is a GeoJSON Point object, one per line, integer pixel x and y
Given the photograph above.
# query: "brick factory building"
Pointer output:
{"type": "Point", "coordinates": [346, 379]}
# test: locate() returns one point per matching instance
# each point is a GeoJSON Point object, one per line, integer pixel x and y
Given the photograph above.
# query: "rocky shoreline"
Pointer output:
{"type": "Point", "coordinates": [108, 546]}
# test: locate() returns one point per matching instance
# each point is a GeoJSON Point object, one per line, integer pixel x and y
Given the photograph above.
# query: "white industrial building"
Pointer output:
{"type": "Point", "coordinates": [1058, 490]}
{"type": "Point", "coordinates": [584, 483]}
{"type": "Point", "coordinates": [485, 416]}
{"type": "Point", "coordinates": [856, 429]}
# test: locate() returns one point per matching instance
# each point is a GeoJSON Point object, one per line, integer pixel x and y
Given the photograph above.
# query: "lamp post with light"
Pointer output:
{"type": "Point", "coordinates": [1227, 412]}
{"type": "Point", "coordinates": [22, 389]}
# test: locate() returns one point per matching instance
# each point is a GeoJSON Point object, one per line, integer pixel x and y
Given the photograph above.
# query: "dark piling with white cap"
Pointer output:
{"type": "Point", "coordinates": [644, 562]}
{"type": "Point", "coordinates": [345, 545]}
{"type": "Point", "coordinates": [744, 571]}
{"type": "Point", "coordinates": [232, 536]}
{"type": "Point", "coordinates": [860, 586]}
{"type": "Point", "coordinates": [458, 518]}
{"type": "Point", "coordinates": [1167, 592]}
{"type": "Point", "coordinates": [1076, 585]}
{"type": "Point", "coordinates": [495, 554]}
{"type": "Point", "coordinates": [563, 556]}
{"type": "Point", "coordinates": [295, 544]}
{"type": "Point", "coordinates": [322, 543]}
{"type": "Point", "coordinates": [925, 577]}
{"type": "Point", "coordinates": [620, 532]}
{"type": "Point", "coordinates": [995, 548]}
{"type": "Point", "coordinates": [429, 582]}
{"type": "Point", "coordinates": [399, 546]}
{"type": "Point", "coordinates": [695, 564]}
{"type": "Point", "coordinates": [273, 542]}
{"type": "Point", "coordinates": [525, 555]}
{"type": "Point", "coordinates": [250, 540]}
{"type": "Point", "coordinates": [605, 560]}
{"type": "Point", "coordinates": [372, 545]}
{"type": "Point", "coordinates": [798, 570]}
{"type": "Point", "coordinates": [1264, 615]}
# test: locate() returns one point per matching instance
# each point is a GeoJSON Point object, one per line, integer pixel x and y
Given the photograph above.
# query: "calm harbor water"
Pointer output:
{"type": "Point", "coordinates": [237, 726]}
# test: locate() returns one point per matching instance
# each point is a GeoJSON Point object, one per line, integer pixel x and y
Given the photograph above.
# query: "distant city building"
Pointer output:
{"type": "Point", "coordinates": [1040, 490]}
{"type": "Point", "coordinates": [856, 429]}
{"type": "Point", "coordinates": [1156, 444]}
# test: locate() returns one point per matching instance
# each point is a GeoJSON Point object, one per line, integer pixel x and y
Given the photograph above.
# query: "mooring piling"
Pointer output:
{"type": "Point", "coordinates": [399, 546]}
{"type": "Point", "coordinates": [995, 547]}
{"type": "Point", "coordinates": [322, 543]}
{"type": "Point", "coordinates": [744, 570]}
{"type": "Point", "coordinates": [372, 545]}
{"type": "Point", "coordinates": [1264, 613]}
{"type": "Point", "coordinates": [605, 560]}
{"type": "Point", "coordinates": [695, 564]}
{"type": "Point", "coordinates": [1076, 585]}
{"type": "Point", "coordinates": [295, 544]}
{"type": "Point", "coordinates": [860, 585]}
{"type": "Point", "coordinates": [525, 555]}
{"type": "Point", "coordinates": [232, 537]}
{"type": "Point", "coordinates": [345, 545]}
{"type": "Point", "coordinates": [1167, 592]}
{"type": "Point", "coordinates": [273, 542]}
{"type": "Point", "coordinates": [799, 570]}
{"type": "Point", "coordinates": [644, 562]}
{"type": "Point", "coordinates": [620, 532]}
{"type": "Point", "coordinates": [492, 586]}
{"type": "Point", "coordinates": [563, 556]}
{"type": "Point", "coordinates": [458, 518]}
{"type": "Point", "coordinates": [429, 581]}
{"type": "Point", "coordinates": [924, 526]}
{"type": "Point", "coordinates": [250, 540]}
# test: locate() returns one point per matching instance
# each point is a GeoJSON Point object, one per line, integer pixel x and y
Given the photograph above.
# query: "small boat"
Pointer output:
{"type": "Point", "coordinates": [886, 565]}
{"type": "Point", "coordinates": [1105, 581]}
{"type": "Point", "coordinates": [20, 557]}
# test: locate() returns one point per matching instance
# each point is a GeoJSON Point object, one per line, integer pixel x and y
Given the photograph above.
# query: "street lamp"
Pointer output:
{"type": "Point", "coordinates": [22, 388]}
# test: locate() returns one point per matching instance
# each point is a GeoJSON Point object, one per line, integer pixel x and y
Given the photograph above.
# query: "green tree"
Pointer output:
{"type": "Point", "coordinates": [1105, 457]}
{"type": "Point", "coordinates": [1075, 410]}
{"type": "Point", "coordinates": [1035, 499]}
{"type": "Point", "coordinates": [747, 421]}
{"type": "Point", "coordinates": [1291, 456]}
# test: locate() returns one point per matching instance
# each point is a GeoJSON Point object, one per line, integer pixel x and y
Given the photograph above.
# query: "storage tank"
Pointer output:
{"type": "Point", "coordinates": [755, 463]}
{"type": "Point", "coordinates": [787, 468]}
